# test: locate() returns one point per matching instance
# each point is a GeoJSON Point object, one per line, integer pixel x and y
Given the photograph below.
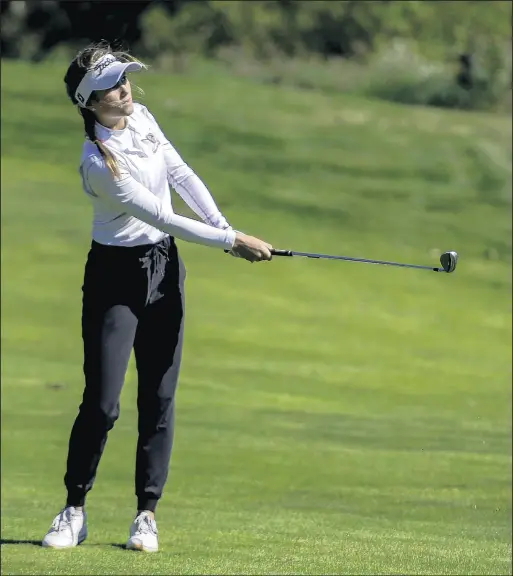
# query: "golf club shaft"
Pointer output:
{"type": "Point", "coordinates": [364, 260]}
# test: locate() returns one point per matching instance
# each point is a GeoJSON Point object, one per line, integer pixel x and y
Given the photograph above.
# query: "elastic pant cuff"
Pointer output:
{"type": "Point", "coordinates": [145, 503]}
{"type": "Point", "coordinates": [75, 500]}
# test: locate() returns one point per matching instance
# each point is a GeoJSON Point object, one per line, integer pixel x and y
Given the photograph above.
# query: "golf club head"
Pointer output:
{"type": "Point", "coordinates": [448, 260]}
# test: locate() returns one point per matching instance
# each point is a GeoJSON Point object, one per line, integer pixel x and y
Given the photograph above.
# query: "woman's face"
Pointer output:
{"type": "Point", "coordinates": [116, 102]}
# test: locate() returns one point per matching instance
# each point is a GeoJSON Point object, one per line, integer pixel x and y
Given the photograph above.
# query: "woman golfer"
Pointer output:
{"type": "Point", "coordinates": [133, 284]}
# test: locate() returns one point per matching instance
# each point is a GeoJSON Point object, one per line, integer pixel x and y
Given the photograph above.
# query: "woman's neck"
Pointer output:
{"type": "Point", "coordinates": [113, 123]}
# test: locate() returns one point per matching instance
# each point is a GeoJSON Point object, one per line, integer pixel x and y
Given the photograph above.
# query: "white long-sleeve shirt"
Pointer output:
{"type": "Point", "coordinates": [136, 208]}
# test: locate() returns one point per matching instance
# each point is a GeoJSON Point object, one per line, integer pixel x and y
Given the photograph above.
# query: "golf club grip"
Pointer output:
{"type": "Point", "coordinates": [274, 252]}
{"type": "Point", "coordinates": [281, 252]}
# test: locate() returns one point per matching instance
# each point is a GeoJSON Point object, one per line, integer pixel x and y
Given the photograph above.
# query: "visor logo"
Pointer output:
{"type": "Point", "coordinates": [100, 67]}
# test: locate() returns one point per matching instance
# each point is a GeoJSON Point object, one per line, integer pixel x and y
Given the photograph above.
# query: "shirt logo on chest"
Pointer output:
{"type": "Point", "coordinates": [151, 138]}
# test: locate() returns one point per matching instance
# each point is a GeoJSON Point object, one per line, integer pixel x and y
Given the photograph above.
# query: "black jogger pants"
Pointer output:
{"type": "Point", "coordinates": [132, 298]}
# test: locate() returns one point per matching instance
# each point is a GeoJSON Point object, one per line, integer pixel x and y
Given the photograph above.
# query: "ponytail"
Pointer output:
{"type": "Point", "coordinates": [89, 126]}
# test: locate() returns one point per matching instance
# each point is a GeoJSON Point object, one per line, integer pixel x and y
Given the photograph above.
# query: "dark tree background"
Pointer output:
{"type": "Point", "coordinates": [459, 32]}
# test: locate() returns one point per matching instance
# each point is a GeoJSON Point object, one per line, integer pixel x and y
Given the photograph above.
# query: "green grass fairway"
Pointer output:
{"type": "Point", "coordinates": [332, 417]}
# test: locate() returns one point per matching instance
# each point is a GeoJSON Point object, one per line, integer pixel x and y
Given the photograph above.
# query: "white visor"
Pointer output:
{"type": "Point", "coordinates": [105, 74]}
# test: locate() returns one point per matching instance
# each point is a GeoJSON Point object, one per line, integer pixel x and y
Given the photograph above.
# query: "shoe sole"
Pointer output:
{"type": "Point", "coordinates": [46, 545]}
{"type": "Point", "coordinates": [140, 548]}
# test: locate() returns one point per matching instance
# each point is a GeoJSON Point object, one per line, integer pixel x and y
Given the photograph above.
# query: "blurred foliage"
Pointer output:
{"type": "Point", "coordinates": [451, 53]}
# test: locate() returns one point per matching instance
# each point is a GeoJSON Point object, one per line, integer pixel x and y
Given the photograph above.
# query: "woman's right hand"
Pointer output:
{"type": "Point", "coordinates": [250, 248]}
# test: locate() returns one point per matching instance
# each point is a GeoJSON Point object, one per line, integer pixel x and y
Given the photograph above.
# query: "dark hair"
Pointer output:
{"type": "Point", "coordinates": [78, 68]}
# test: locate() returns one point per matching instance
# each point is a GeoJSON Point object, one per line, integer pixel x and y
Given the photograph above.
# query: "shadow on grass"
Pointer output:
{"type": "Point", "coordinates": [38, 543]}
{"type": "Point", "coordinates": [7, 541]}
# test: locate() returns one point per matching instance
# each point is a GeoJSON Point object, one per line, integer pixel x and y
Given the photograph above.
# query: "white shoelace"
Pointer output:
{"type": "Point", "coordinates": [62, 522]}
{"type": "Point", "coordinates": [145, 525]}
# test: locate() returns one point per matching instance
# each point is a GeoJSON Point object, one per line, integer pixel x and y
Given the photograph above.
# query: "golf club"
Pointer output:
{"type": "Point", "coordinates": [448, 260]}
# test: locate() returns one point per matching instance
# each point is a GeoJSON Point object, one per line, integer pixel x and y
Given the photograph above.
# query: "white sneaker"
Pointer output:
{"type": "Point", "coordinates": [143, 534]}
{"type": "Point", "coordinates": [68, 529]}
